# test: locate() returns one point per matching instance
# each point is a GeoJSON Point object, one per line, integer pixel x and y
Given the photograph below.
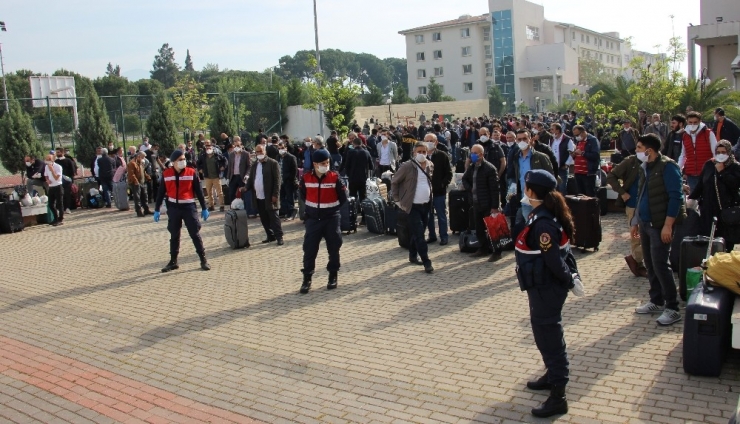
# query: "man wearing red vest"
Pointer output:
{"type": "Point", "coordinates": [324, 194]}
{"type": "Point", "coordinates": [699, 144]}
{"type": "Point", "coordinates": [181, 186]}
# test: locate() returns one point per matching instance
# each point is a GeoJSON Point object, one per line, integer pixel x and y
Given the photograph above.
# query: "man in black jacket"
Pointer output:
{"type": "Point", "coordinates": [106, 166]}
{"type": "Point", "coordinates": [724, 128]}
{"type": "Point", "coordinates": [441, 179]}
{"type": "Point", "coordinates": [289, 183]}
{"type": "Point", "coordinates": [35, 174]}
{"type": "Point", "coordinates": [481, 181]}
{"type": "Point", "coordinates": [674, 142]}
{"type": "Point", "coordinates": [211, 166]}
{"type": "Point", "coordinates": [356, 167]}
{"type": "Point", "coordinates": [68, 173]}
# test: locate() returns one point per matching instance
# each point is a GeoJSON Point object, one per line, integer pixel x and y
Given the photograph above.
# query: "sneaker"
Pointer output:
{"type": "Point", "coordinates": [67, 211]}
{"type": "Point", "coordinates": [669, 317]}
{"type": "Point", "coordinates": [649, 308]}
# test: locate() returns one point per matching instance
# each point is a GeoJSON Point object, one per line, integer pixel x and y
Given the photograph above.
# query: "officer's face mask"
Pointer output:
{"type": "Point", "coordinates": [181, 164]}
{"type": "Point", "coordinates": [322, 168]}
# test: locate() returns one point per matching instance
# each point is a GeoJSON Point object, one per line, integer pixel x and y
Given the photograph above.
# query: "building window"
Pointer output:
{"type": "Point", "coordinates": [421, 73]}
{"type": "Point", "coordinates": [596, 41]}
{"type": "Point", "coordinates": [466, 51]}
{"type": "Point", "coordinates": [588, 39]}
{"type": "Point", "coordinates": [419, 39]}
{"type": "Point", "coordinates": [489, 84]}
{"type": "Point", "coordinates": [533, 33]}
{"type": "Point", "coordinates": [489, 69]}
{"type": "Point", "coordinates": [422, 91]}
{"type": "Point", "coordinates": [582, 38]}
{"type": "Point", "coordinates": [467, 69]}
{"type": "Point", "coordinates": [420, 57]}
{"type": "Point", "coordinates": [465, 33]}
{"type": "Point", "coordinates": [601, 56]}
{"type": "Point", "coordinates": [574, 35]}
{"type": "Point", "coordinates": [487, 34]}
{"type": "Point", "coordinates": [439, 72]}
{"type": "Point", "coordinates": [436, 36]}
{"type": "Point", "coordinates": [442, 89]}
{"type": "Point", "coordinates": [487, 50]}
{"type": "Point", "coordinates": [467, 87]}
{"type": "Point", "coordinates": [542, 85]}
{"type": "Point", "coordinates": [438, 54]}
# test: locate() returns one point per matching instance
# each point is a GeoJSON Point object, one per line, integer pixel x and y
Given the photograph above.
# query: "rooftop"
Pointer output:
{"type": "Point", "coordinates": [462, 20]}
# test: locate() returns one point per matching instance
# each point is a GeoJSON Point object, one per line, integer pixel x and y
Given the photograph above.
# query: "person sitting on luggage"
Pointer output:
{"type": "Point", "coordinates": [660, 205]}
{"type": "Point", "coordinates": [440, 181]}
{"type": "Point", "coordinates": [586, 157]}
{"type": "Point", "coordinates": [323, 193]}
{"type": "Point", "coordinates": [412, 192]}
{"type": "Point", "coordinates": [716, 190]}
{"type": "Point", "coordinates": [264, 184]}
{"type": "Point", "coordinates": [180, 187]}
{"type": "Point", "coordinates": [137, 183]}
{"type": "Point", "coordinates": [356, 166]}
{"type": "Point", "coordinates": [481, 182]}
{"type": "Point", "coordinates": [35, 168]}
{"type": "Point", "coordinates": [525, 158]}
{"type": "Point", "coordinates": [211, 164]}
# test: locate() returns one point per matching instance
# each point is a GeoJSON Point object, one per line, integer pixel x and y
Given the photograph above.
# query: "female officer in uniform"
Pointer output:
{"type": "Point", "coordinates": [546, 270]}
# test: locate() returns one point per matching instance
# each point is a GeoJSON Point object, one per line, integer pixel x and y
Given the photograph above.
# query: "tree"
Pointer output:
{"type": "Point", "coordinates": [112, 85]}
{"type": "Point", "coordinates": [375, 97]}
{"type": "Point", "coordinates": [111, 71]}
{"type": "Point", "coordinates": [161, 126]}
{"type": "Point", "coordinates": [592, 71]}
{"type": "Point", "coordinates": [495, 101]}
{"type": "Point", "coordinates": [400, 95]}
{"type": "Point", "coordinates": [17, 138]}
{"type": "Point", "coordinates": [94, 129]}
{"type": "Point", "coordinates": [189, 63]}
{"type": "Point", "coordinates": [164, 68]}
{"type": "Point", "coordinates": [222, 117]}
{"type": "Point", "coordinates": [295, 93]}
{"type": "Point", "coordinates": [421, 99]}
{"type": "Point", "coordinates": [338, 97]}
{"type": "Point", "coordinates": [189, 105]}
{"type": "Point", "coordinates": [434, 91]}
{"type": "Point", "coordinates": [399, 71]}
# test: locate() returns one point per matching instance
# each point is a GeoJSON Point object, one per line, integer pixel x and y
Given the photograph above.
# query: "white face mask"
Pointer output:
{"type": "Point", "coordinates": [323, 169]}
{"type": "Point", "coordinates": [642, 156]}
{"type": "Point", "coordinates": [383, 138]}
{"type": "Point", "coordinates": [260, 157]}
{"type": "Point", "coordinates": [526, 201]}
{"type": "Point", "coordinates": [181, 164]}
{"type": "Point", "coordinates": [282, 152]}
{"type": "Point", "coordinates": [209, 151]}
{"type": "Point", "coordinates": [722, 158]}
{"type": "Point", "coordinates": [483, 138]}
{"type": "Point", "coordinates": [430, 146]}
{"type": "Point", "coordinates": [237, 149]}
{"type": "Point", "coordinates": [692, 128]}
{"type": "Point", "coordinates": [510, 143]}
{"type": "Point", "coordinates": [421, 157]}
{"type": "Point", "coordinates": [523, 145]}
{"type": "Point", "coordinates": [308, 144]}
{"type": "Point", "coordinates": [29, 163]}
{"type": "Point", "coordinates": [535, 131]}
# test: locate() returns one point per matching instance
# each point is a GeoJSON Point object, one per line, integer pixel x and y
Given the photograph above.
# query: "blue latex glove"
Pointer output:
{"type": "Point", "coordinates": [205, 214]}
{"type": "Point", "coordinates": [156, 216]}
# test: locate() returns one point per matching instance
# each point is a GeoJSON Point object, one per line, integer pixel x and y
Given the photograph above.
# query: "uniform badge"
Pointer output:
{"type": "Point", "coordinates": [545, 242]}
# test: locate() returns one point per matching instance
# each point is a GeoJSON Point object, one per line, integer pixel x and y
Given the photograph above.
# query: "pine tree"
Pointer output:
{"type": "Point", "coordinates": [222, 117]}
{"type": "Point", "coordinates": [161, 126]}
{"type": "Point", "coordinates": [189, 62]}
{"type": "Point", "coordinates": [17, 138]}
{"type": "Point", "coordinates": [164, 68]}
{"type": "Point", "coordinates": [113, 71]}
{"type": "Point", "coordinates": [95, 128]}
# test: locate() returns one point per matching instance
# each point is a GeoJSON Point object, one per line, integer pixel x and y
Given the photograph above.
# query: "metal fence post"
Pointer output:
{"type": "Point", "coordinates": [280, 112]}
{"type": "Point", "coordinates": [123, 121]}
{"type": "Point", "coordinates": [51, 121]}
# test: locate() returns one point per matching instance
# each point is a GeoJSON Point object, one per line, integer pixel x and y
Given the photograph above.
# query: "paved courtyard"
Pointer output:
{"type": "Point", "coordinates": [93, 332]}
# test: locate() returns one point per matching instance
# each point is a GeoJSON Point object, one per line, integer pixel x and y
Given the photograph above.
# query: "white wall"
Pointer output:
{"type": "Point", "coordinates": [459, 108]}
{"type": "Point", "coordinates": [303, 123]}
{"type": "Point", "coordinates": [709, 10]}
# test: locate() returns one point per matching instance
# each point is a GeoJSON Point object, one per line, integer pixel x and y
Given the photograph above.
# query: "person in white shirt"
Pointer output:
{"type": "Point", "coordinates": [264, 185]}
{"type": "Point", "coordinates": [561, 146]}
{"type": "Point", "coordinates": [387, 153]}
{"type": "Point", "coordinates": [53, 176]}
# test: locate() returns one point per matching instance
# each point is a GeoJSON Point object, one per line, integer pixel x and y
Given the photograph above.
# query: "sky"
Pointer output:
{"type": "Point", "coordinates": [84, 35]}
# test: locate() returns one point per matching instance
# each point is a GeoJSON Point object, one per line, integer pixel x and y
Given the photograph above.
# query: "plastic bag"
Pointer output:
{"type": "Point", "coordinates": [237, 204]}
{"type": "Point", "coordinates": [497, 227]}
{"type": "Point", "coordinates": [372, 191]}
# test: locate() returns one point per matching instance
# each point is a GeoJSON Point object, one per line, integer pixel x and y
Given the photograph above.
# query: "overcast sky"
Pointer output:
{"type": "Point", "coordinates": [84, 35]}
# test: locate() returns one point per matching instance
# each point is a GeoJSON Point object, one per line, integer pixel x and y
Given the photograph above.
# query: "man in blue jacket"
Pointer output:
{"type": "Point", "coordinates": [587, 157]}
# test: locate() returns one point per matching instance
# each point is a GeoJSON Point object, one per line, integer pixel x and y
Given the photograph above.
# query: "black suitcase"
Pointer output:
{"type": "Point", "coordinates": [468, 242]}
{"type": "Point", "coordinates": [689, 227]}
{"type": "Point", "coordinates": [587, 219]}
{"type": "Point", "coordinates": [459, 210]}
{"type": "Point", "coordinates": [616, 158]}
{"type": "Point", "coordinates": [572, 186]}
{"type": "Point", "coordinates": [236, 229]}
{"type": "Point", "coordinates": [693, 251]}
{"type": "Point", "coordinates": [374, 210]}
{"type": "Point", "coordinates": [603, 205]}
{"type": "Point", "coordinates": [402, 229]}
{"type": "Point", "coordinates": [390, 219]}
{"type": "Point", "coordinates": [349, 216]}
{"type": "Point", "coordinates": [11, 217]}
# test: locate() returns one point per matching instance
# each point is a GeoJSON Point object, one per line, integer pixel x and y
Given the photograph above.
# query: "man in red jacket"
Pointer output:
{"type": "Point", "coordinates": [699, 144]}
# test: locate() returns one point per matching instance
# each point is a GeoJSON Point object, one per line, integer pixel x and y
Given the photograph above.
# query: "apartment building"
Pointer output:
{"type": "Point", "coordinates": [530, 59]}
{"type": "Point", "coordinates": [717, 36]}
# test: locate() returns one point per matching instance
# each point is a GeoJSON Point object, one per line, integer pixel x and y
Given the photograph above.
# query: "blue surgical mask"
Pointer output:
{"type": "Point", "coordinates": [474, 157]}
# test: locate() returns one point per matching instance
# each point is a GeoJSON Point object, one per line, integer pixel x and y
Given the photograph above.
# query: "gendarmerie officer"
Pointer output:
{"type": "Point", "coordinates": [547, 270]}
{"type": "Point", "coordinates": [324, 194]}
{"type": "Point", "coordinates": [181, 186]}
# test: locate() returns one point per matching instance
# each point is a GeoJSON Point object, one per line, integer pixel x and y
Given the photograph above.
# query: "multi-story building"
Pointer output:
{"type": "Point", "coordinates": [530, 59]}
{"type": "Point", "coordinates": [717, 37]}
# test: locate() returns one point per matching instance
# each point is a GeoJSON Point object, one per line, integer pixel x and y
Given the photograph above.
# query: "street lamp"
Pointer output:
{"type": "Point", "coordinates": [389, 102]}
{"type": "Point", "coordinates": [537, 104]}
{"type": "Point", "coordinates": [504, 106]}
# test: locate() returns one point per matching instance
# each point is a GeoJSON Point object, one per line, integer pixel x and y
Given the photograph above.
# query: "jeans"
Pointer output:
{"type": "Point", "coordinates": [692, 182]}
{"type": "Point", "coordinates": [586, 184]}
{"type": "Point", "coordinates": [660, 275]}
{"type": "Point", "coordinates": [55, 202]}
{"type": "Point", "coordinates": [107, 186]}
{"type": "Point", "coordinates": [418, 216]}
{"type": "Point", "coordinates": [439, 209]}
{"type": "Point", "coordinates": [563, 186]}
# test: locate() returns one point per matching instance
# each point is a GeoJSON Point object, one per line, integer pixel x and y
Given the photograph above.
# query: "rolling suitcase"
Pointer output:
{"type": "Point", "coordinates": [402, 228]}
{"type": "Point", "coordinates": [707, 327]}
{"type": "Point", "coordinates": [459, 210]}
{"type": "Point", "coordinates": [571, 186]}
{"type": "Point", "coordinates": [603, 205]}
{"type": "Point", "coordinates": [11, 217]}
{"type": "Point", "coordinates": [616, 158]}
{"type": "Point", "coordinates": [374, 210]}
{"type": "Point", "coordinates": [468, 242]}
{"type": "Point", "coordinates": [120, 195]}
{"type": "Point", "coordinates": [587, 219]}
{"type": "Point", "coordinates": [349, 216]}
{"type": "Point", "coordinates": [76, 198]}
{"type": "Point", "coordinates": [693, 251]}
{"type": "Point", "coordinates": [236, 229]}
{"type": "Point", "coordinates": [689, 227]}
{"type": "Point", "coordinates": [390, 219]}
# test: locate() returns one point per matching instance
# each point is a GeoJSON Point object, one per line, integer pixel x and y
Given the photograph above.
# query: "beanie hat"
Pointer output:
{"type": "Point", "coordinates": [175, 155]}
{"type": "Point", "coordinates": [320, 155]}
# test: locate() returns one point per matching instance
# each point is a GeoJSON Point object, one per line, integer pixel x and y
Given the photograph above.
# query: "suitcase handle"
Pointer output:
{"type": "Point", "coordinates": [704, 266]}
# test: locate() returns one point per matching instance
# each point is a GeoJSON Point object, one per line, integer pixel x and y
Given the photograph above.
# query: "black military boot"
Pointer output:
{"type": "Point", "coordinates": [554, 405]}
{"type": "Point", "coordinates": [539, 384]}
{"type": "Point", "coordinates": [172, 265]}
{"type": "Point", "coordinates": [204, 263]}
{"type": "Point", "coordinates": [332, 280]}
{"type": "Point", "coordinates": [306, 283]}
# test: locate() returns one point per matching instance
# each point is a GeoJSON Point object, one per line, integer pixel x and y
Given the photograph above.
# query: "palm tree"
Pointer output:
{"type": "Point", "coordinates": [715, 94]}
{"type": "Point", "coordinates": [615, 93]}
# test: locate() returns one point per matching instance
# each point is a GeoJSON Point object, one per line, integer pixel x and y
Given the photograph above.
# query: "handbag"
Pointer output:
{"type": "Point", "coordinates": [497, 227]}
{"type": "Point", "coordinates": [729, 218]}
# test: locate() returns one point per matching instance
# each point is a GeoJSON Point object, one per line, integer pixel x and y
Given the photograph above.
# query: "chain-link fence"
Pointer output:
{"type": "Point", "coordinates": [127, 114]}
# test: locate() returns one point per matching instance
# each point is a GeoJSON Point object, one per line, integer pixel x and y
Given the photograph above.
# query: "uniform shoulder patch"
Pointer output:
{"type": "Point", "coordinates": [545, 242]}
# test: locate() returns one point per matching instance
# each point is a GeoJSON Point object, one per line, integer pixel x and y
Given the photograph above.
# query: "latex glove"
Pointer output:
{"type": "Point", "coordinates": [512, 188]}
{"type": "Point", "coordinates": [578, 289]}
{"type": "Point", "coordinates": [205, 214]}
{"type": "Point", "coordinates": [156, 216]}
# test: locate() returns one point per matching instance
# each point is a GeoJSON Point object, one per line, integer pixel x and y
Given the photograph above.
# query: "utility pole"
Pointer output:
{"type": "Point", "coordinates": [3, 28]}
{"type": "Point", "coordinates": [318, 65]}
